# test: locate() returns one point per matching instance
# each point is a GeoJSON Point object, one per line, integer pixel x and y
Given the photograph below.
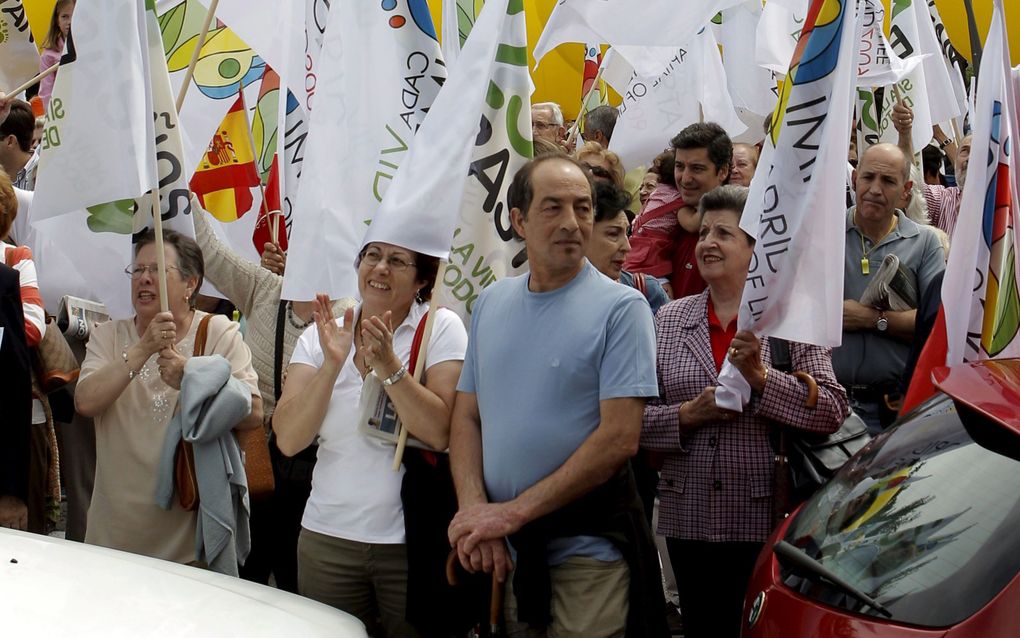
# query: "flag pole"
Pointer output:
{"type": "Point", "coordinates": [194, 55]}
{"type": "Point", "coordinates": [157, 224]}
{"type": "Point", "coordinates": [35, 80]}
{"type": "Point", "coordinates": [419, 362]}
{"type": "Point", "coordinates": [273, 233]}
{"type": "Point", "coordinates": [975, 37]}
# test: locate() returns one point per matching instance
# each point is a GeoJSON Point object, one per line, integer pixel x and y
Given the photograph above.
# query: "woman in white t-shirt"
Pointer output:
{"type": "Point", "coordinates": [351, 552]}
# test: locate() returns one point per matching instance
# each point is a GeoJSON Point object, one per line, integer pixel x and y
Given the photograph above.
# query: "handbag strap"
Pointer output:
{"type": "Point", "coordinates": [200, 336]}
{"type": "Point", "coordinates": [419, 334]}
{"type": "Point", "coordinates": [278, 353]}
{"type": "Point", "coordinates": [656, 213]}
{"type": "Point", "coordinates": [779, 354]}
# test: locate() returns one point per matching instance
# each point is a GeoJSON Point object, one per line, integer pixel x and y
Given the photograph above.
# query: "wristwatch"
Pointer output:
{"type": "Point", "coordinates": [396, 376]}
{"type": "Point", "coordinates": [882, 324]}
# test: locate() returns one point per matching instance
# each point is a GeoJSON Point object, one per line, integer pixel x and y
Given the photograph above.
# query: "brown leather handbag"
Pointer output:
{"type": "Point", "coordinates": [254, 450]}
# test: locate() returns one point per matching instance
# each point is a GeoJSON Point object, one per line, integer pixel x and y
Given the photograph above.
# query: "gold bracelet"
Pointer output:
{"type": "Point", "coordinates": [764, 378]}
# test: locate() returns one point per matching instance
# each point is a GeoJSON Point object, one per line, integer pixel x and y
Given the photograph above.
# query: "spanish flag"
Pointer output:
{"type": "Point", "coordinates": [226, 175]}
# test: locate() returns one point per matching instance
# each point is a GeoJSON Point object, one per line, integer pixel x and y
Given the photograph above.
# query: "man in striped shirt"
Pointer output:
{"type": "Point", "coordinates": [944, 201]}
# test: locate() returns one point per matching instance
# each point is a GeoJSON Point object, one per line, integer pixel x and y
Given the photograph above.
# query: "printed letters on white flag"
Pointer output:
{"type": "Point", "coordinates": [452, 186]}
{"type": "Point", "coordinates": [117, 207]}
{"type": "Point", "coordinates": [656, 108]}
{"type": "Point", "coordinates": [19, 59]}
{"type": "Point", "coordinates": [99, 134]}
{"type": "Point", "coordinates": [376, 84]}
{"type": "Point", "coordinates": [877, 64]}
{"type": "Point", "coordinates": [638, 35]}
{"type": "Point", "coordinates": [796, 208]}
{"type": "Point", "coordinates": [979, 293]}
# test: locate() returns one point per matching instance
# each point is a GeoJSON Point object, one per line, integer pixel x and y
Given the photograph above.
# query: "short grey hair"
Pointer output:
{"type": "Point", "coordinates": [557, 112]}
{"type": "Point", "coordinates": [603, 119]}
{"type": "Point", "coordinates": [729, 197]}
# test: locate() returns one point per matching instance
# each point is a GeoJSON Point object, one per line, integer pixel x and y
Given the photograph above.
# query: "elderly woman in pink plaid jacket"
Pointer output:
{"type": "Point", "coordinates": [715, 488]}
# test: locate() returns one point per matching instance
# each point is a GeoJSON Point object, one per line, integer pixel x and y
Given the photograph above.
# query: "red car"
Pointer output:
{"type": "Point", "coordinates": [917, 536]}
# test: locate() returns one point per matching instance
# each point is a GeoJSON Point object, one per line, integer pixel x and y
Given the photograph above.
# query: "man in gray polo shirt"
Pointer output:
{"type": "Point", "coordinates": [876, 342]}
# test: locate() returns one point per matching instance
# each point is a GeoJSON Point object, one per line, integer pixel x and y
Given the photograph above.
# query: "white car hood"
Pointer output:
{"type": "Point", "coordinates": [53, 587]}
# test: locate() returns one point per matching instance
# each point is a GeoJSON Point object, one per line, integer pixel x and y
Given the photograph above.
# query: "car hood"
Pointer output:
{"type": "Point", "coordinates": [66, 588]}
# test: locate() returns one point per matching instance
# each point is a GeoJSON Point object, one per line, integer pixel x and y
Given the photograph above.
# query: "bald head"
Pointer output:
{"type": "Point", "coordinates": [882, 184]}
{"type": "Point", "coordinates": [890, 153]}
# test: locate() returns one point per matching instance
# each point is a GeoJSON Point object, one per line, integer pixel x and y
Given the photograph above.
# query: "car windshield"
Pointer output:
{"type": "Point", "coordinates": [924, 521]}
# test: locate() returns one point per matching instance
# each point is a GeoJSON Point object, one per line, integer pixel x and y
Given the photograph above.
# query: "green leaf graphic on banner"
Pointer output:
{"type": "Point", "coordinates": [114, 217]}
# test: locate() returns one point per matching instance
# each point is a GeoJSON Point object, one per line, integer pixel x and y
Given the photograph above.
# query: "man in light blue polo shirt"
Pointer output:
{"type": "Point", "coordinates": [548, 411]}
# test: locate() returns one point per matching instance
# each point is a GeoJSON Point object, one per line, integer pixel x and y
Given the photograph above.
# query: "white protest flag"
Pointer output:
{"type": "Point", "coordinates": [656, 108]}
{"type": "Point", "coordinates": [452, 186]}
{"type": "Point", "coordinates": [753, 88]}
{"type": "Point", "coordinates": [113, 216]}
{"type": "Point", "coordinates": [643, 37]}
{"type": "Point", "coordinates": [927, 90]}
{"type": "Point", "coordinates": [19, 58]}
{"type": "Point", "coordinates": [868, 131]}
{"type": "Point", "coordinates": [379, 73]}
{"type": "Point", "coordinates": [98, 144]}
{"type": "Point", "coordinates": [459, 18]}
{"type": "Point", "coordinates": [778, 32]}
{"type": "Point", "coordinates": [877, 64]}
{"type": "Point", "coordinates": [979, 293]}
{"type": "Point", "coordinates": [955, 65]}
{"type": "Point", "coordinates": [796, 208]}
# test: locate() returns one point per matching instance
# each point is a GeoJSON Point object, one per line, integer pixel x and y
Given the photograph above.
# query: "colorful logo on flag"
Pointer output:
{"type": "Point", "coordinates": [816, 55]}
{"type": "Point", "coordinates": [1002, 302]}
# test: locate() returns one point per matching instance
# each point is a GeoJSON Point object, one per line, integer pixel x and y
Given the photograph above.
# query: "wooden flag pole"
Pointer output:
{"type": "Point", "coordinates": [419, 362]}
{"type": "Point", "coordinates": [194, 55]}
{"type": "Point", "coordinates": [157, 224]}
{"type": "Point", "coordinates": [273, 233]}
{"type": "Point", "coordinates": [37, 79]}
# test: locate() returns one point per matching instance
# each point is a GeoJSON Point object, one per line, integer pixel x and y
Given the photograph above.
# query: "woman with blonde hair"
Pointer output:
{"type": "Point", "coordinates": [53, 45]}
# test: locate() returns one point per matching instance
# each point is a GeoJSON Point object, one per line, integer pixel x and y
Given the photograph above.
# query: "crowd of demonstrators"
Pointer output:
{"type": "Point", "coordinates": [554, 494]}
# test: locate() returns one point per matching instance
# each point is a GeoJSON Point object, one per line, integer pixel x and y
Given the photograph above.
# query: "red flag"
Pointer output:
{"type": "Point", "coordinates": [263, 231]}
{"type": "Point", "coordinates": [933, 355]}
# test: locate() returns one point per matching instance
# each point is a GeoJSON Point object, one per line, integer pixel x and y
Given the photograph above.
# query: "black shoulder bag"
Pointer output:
{"type": "Point", "coordinates": [806, 461]}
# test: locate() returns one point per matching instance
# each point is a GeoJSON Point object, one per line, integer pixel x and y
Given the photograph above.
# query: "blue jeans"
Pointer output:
{"type": "Point", "coordinates": [870, 413]}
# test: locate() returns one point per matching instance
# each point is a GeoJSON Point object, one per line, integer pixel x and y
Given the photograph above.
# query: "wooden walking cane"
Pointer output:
{"type": "Point", "coordinates": [419, 363]}
{"type": "Point", "coordinates": [37, 79]}
{"type": "Point", "coordinates": [194, 55]}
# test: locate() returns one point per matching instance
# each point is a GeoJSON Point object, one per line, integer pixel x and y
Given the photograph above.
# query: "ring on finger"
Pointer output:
{"type": "Point", "coordinates": [733, 351]}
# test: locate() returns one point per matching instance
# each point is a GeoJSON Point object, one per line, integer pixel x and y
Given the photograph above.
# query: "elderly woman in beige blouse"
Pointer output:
{"type": "Point", "coordinates": [129, 383]}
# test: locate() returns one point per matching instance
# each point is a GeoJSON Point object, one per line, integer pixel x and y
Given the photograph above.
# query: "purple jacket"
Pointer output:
{"type": "Point", "coordinates": [716, 484]}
